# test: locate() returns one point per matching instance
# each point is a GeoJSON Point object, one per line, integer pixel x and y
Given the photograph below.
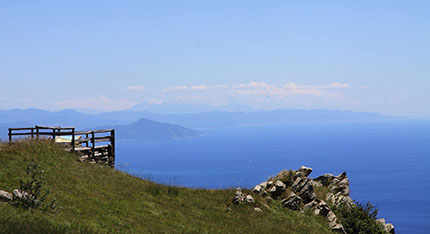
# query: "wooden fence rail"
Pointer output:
{"type": "Point", "coordinates": [83, 142]}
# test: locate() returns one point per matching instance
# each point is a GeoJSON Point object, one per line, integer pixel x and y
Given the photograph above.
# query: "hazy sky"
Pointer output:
{"type": "Point", "coordinates": [110, 55]}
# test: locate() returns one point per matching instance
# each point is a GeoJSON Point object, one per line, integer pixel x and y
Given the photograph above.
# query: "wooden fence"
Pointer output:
{"type": "Point", "coordinates": [86, 143]}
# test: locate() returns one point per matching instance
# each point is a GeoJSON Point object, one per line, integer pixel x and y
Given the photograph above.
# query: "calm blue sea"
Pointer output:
{"type": "Point", "coordinates": [388, 164]}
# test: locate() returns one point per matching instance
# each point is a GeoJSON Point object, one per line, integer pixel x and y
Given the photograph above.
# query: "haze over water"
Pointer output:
{"type": "Point", "coordinates": [388, 164]}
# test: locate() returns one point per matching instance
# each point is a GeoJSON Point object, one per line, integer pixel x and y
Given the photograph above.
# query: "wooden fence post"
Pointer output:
{"type": "Point", "coordinates": [37, 132]}
{"type": "Point", "coordinates": [10, 136]}
{"type": "Point", "coordinates": [73, 140]}
{"type": "Point", "coordinates": [53, 135]}
{"type": "Point", "coordinates": [93, 146]}
{"type": "Point", "coordinates": [112, 135]}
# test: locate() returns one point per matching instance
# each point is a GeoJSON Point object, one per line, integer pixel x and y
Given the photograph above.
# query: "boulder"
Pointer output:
{"type": "Point", "coordinates": [324, 208]}
{"type": "Point", "coordinates": [277, 189]}
{"type": "Point", "coordinates": [292, 202]}
{"type": "Point", "coordinates": [325, 179]}
{"type": "Point", "coordinates": [257, 209]}
{"type": "Point", "coordinates": [307, 193]}
{"type": "Point", "coordinates": [343, 188]}
{"type": "Point", "coordinates": [331, 216]}
{"type": "Point", "coordinates": [263, 185]}
{"type": "Point", "coordinates": [249, 199]}
{"type": "Point", "coordinates": [305, 171]}
{"type": "Point", "coordinates": [257, 189]}
{"type": "Point", "coordinates": [347, 201]}
{"type": "Point", "coordinates": [272, 190]}
{"type": "Point", "coordinates": [17, 194]}
{"type": "Point", "coordinates": [340, 188]}
{"type": "Point", "coordinates": [341, 176]}
{"type": "Point", "coordinates": [239, 198]}
{"type": "Point", "coordinates": [338, 199]}
{"type": "Point", "coordinates": [345, 180]}
{"type": "Point", "coordinates": [298, 174]}
{"type": "Point", "coordinates": [331, 198]}
{"type": "Point", "coordinates": [310, 206]}
{"type": "Point", "coordinates": [5, 196]}
{"type": "Point", "coordinates": [299, 183]}
{"type": "Point", "coordinates": [389, 228]}
{"type": "Point", "coordinates": [337, 227]}
{"type": "Point", "coordinates": [340, 184]}
{"type": "Point", "coordinates": [21, 195]}
{"type": "Point", "coordinates": [280, 184]}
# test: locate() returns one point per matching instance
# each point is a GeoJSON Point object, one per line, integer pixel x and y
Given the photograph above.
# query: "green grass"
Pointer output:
{"type": "Point", "coordinates": [98, 199]}
{"type": "Point", "coordinates": [321, 192]}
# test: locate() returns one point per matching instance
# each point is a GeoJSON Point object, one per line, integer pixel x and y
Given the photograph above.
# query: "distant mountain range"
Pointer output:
{"type": "Point", "coordinates": [148, 129]}
{"type": "Point", "coordinates": [66, 117]}
{"type": "Point", "coordinates": [147, 125]}
{"type": "Point", "coordinates": [218, 119]}
{"type": "Point", "coordinates": [140, 129]}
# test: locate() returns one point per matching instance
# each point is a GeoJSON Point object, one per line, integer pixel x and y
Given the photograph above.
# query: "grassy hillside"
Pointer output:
{"type": "Point", "coordinates": [97, 199]}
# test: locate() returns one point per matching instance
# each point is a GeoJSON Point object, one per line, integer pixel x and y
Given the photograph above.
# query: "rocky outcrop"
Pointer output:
{"type": "Point", "coordinates": [296, 191]}
{"type": "Point", "coordinates": [304, 171]}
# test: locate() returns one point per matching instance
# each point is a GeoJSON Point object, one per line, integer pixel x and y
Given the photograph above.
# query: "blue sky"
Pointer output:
{"type": "Point", "coordinates": [110, 55]}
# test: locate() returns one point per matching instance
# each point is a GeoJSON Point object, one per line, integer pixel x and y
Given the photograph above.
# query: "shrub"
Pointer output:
{"type": "Point", "coordinates": [360, 219]}
{"type": "Point", "coordinates": [31, 194]}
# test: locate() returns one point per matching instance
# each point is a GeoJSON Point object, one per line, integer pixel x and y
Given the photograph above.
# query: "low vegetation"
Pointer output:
{"type": "Point", "coordinates": [360, 219]}
{"type": "Point", "coordinates": [93, 198]}
{"type": "Point", "coordinates": [31, 194]}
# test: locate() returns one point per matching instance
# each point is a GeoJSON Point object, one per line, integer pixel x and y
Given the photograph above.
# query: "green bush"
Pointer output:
{"type": "Point", "coordinates": [31, 192]}
{"type": "Point", "coordinates": [359, 219]}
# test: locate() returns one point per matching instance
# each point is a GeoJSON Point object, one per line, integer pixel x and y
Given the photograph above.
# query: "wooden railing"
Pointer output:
{"type": "Point", "coordinates": [40, 131]}
{"type": "Point", "coordinates": [84, 142]}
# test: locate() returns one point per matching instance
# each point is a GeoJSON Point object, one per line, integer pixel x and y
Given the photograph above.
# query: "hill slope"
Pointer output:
{"type": "Point", "coordinates": [97, 199]}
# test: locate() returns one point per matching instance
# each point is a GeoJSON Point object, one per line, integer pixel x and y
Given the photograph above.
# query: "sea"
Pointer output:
{"type": "Point", "coordinates": [388, 163]}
